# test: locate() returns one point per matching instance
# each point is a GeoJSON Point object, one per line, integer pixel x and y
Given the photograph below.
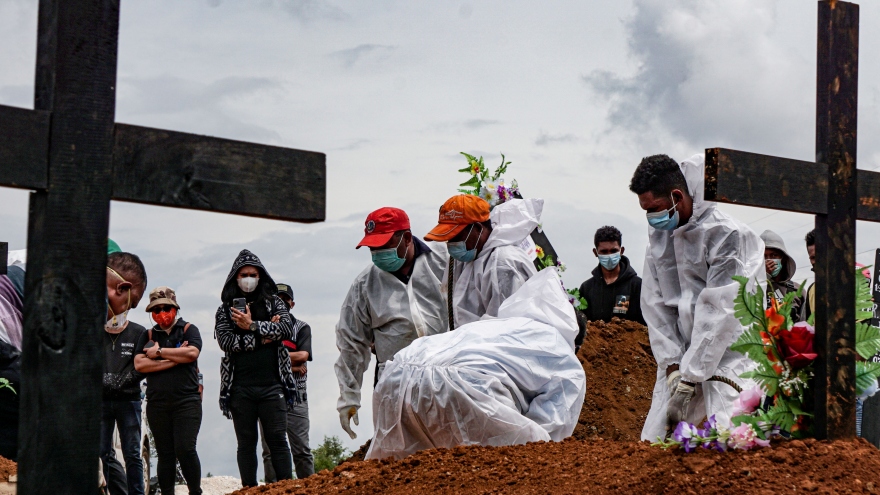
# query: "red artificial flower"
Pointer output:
{"type": "Point", "coordinates": [797, 346]}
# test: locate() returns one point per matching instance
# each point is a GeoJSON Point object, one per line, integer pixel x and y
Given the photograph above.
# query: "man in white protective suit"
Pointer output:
{"type": "Point", "coordinates": [498, 381]}
{"type": "Point", "coordinates": [394, 301]}
{"type": "Point", "coordinates": [491, 262]}
{"type": "Point", "coordinates": [693, 252]}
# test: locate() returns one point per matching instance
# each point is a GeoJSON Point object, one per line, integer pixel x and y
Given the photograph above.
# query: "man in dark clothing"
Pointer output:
{"type": "Point", "coordinates": [300, 351]}
{"type": "Point", "coordinates": [168, 354]}
{"type": "Point", "coordinates": [121, 404]}
{"type": "Point", "coordinates": [614, 289]}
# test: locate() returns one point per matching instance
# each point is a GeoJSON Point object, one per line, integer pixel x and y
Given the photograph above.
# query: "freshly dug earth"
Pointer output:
{"type": "Point", "coordinates": [621, 372]}
{"type": "Point", "coordinates": [7, 468]}
{"type": "Point", "coordinates": [603, 466]}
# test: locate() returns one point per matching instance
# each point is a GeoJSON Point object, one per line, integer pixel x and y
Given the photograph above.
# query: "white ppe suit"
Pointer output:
{"type": "Point", "coordinates": [501, 267]}
{"type": "Point", "coordinates": [499, 381]}
{"type": "Point", "coordinates": [687, 302]}
{"type": "Point", "coordinates": [381, 309]}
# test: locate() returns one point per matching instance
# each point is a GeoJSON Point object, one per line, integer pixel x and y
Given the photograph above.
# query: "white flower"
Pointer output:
{"type": "Point", "coordinates": [489, 193]}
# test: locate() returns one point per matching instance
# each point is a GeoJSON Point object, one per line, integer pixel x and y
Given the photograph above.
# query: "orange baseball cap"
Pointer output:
{"type": "Point", "coordinates": [381, 225]}
{"type": "Point", "coordinates": [457, 213]}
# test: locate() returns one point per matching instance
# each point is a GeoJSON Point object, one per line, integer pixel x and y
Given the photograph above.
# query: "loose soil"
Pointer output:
{"type": "Point", "coordinates": [603, 466]}
{"type": "Point", "coordinates": [7, 468]}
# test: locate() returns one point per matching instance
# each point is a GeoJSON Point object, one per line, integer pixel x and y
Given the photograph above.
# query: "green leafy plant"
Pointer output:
{"type": "Point", "coordinates": [329, 454]}
{"type": "Point", "coordinates": [4, 383]}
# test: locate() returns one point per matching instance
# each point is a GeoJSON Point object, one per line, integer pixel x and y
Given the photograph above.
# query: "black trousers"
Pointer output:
{"type": "Point", "coordinates": [175, 427]}
{"type": "Point", "coordinates": [266, 405]}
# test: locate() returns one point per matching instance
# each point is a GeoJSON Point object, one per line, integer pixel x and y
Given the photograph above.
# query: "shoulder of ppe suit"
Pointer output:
{"type": "Point", "coordinates": [727, 237]}
{"type": "Point", "coordinates": [511, 257]}
{"type": "Point", "coordinates": [436, 260]}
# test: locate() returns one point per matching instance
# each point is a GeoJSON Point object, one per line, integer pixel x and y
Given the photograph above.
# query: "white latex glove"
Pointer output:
{"type": "Point", "coordinates": [672, 382]}
{"type": "Point", "coordinates": [678, 404]}
{"type": "Point", "coordinates": [345, 417]}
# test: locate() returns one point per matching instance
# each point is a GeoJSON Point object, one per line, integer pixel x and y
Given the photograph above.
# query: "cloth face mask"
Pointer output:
{"type": "Point", "coordinates": [459, 251]}
{"type": "Point", "coordinates": [609, 261]}
{"type": "Point", "coordinates": [387, 259]}
{"type": "Point", "coordinates": [778, 267]}
{"type": "Point", "coordinates": [248, 284]}
{"type": "Point", "coordinates": [661, 220]}
{"type": "Point", "coordinates": [165, 318]}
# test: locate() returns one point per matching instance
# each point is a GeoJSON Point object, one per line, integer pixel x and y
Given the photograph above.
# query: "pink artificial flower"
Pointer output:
{"type": "Point", "coordinates": [866, 272]}
{"type": "Point", "coordinates": [747, 402]}
{"type": "Point", "coordinates": [743, 437]}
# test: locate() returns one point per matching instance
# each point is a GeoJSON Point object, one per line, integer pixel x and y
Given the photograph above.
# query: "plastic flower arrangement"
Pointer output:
{"type": "Point", "coordinates": [489, 186]}
{"type": "Point", "coordinates": [784, 354]}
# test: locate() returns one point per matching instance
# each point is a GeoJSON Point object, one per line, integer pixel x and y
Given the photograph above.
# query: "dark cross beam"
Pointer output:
{"type": "Point", "coordinates": [70, 151]}
{"type": "Point", "coordinates": [832, 189]}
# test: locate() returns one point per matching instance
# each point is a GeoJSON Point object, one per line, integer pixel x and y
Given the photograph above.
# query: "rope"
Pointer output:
{"type": "Point", "coordinates": [449, 288]}
{"type": "Point", "coordinates": [723, 379]}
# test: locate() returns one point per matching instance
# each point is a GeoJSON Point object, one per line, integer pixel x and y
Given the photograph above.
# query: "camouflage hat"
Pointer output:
{"type": "Point", "coordinates": [162, 295]}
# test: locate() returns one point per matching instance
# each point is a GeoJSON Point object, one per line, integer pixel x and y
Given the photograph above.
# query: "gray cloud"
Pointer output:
{"type": "Point", "coordinates": [350, 56]}
{"type": "Point", "coordinates": [479, 123]}
{"type": "Point", "coordinates": [545, 139]}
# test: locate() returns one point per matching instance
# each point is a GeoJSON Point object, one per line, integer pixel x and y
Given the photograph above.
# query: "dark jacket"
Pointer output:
{"type": "Point", "coordinates": [234, 340]}
{"type": "Point", "coordinates": [622, 298]}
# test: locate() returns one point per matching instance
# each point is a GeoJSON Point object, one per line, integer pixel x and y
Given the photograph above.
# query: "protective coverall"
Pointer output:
{"type": "Point", "coordinates": [498, 381]}
{"type": "Point", "coordinates": [380, 309]}
{"type": "Point", "coordinates": [502, 266]}
{"type": "Point", "coordinates": [687, 302]}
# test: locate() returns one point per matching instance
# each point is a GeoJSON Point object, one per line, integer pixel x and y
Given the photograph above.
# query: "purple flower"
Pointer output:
{"type": "Point", "coordinates": [684, 434]}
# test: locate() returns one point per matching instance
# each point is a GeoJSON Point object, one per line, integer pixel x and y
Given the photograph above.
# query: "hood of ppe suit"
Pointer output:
{"type": "Point", "coordinates": [773, 240]}
{"type": "Point", "coordinates": [687, 297]}
{"type": "Point", "coordinates": [512, 222]}
{"type": "Point", "coordinates": [496, 381]}
{"type": "Point", "coordinates": [543, 299]}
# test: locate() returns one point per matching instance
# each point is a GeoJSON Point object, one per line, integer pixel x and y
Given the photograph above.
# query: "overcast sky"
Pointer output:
{"type": "Point", "coordinates": [575, 93]}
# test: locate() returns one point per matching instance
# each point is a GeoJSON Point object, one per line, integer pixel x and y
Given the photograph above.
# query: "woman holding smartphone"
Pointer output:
{"type": "Point", "coordinates": [256, 381]}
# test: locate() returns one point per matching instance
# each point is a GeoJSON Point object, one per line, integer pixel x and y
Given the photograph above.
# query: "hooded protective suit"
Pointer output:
{"type": "Point", "coordinates": [499, 381]}
{"type": "Point", "coordinates": [502, 266]}
{"type": "Point", "coordinates": [380, 309]}
{"type": "Point", "coordinates": [687, 302]}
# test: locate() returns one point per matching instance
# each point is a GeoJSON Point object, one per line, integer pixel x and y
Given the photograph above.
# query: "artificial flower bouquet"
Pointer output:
{"type": "Point", "coordinates": [783, 351]}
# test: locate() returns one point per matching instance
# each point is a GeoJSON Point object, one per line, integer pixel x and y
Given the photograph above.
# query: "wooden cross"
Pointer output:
{"type": "Point", "coordinates": [832, 189]}
{"type": "Point", "coordinates": [76, 158]}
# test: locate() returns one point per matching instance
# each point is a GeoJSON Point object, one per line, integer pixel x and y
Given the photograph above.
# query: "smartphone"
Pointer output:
{"type": "Point", "coordinates": [240, 304]}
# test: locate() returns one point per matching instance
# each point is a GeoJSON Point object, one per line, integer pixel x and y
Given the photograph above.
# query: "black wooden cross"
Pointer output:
{"type": "Point", "coordinates": [832, 189]}
{"type": "Point", "coordinates": [72, 153]}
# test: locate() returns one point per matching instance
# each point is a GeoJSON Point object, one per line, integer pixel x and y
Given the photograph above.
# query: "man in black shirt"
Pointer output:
{"type": "Point", "coordinates": [168, 355]}
{"type": "Point", "coordinates": [121, 405]}
{"type": "Point", "coordinates": [300, 351]}
{"type": "Point", "coordinates": [614, 289]}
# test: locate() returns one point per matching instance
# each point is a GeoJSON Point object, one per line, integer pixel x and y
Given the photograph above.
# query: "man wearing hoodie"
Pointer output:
{"type": "Point", "coordinates": [693, 252]}
{"type": "Point", "coordinates": [780, 268]}
{"type": "Point", "coordinates": [615, 289]}
{"type": "Point", "coordinates": [490, 262]}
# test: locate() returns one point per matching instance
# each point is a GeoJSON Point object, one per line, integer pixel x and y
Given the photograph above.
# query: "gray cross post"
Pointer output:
{"type": "Point", "coordinates": [76, 158]}
{"type": "Point", "coordinates": [832, 189]}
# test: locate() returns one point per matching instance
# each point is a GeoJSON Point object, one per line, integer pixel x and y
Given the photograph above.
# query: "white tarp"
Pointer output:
{"type": "Point", "coordinates": [499, 381]}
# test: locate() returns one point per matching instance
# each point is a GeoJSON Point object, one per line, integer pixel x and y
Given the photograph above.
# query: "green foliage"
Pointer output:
{"type": "Point", "coordinates": [479, 173]}
{"type": "Point", "coordinates": [581, 302]}
{"type": "Point", "coordinates": [781, 415]}
{"type": "Point", "coordinates": [751, 344]}
{"type": "Point", "coordinates": [765, 375]}
{"type": "Point", "coordinates": [4, 383]}
{"type": "Point", "coordinates": [748, 307]}
{"type": "Point", "coordinates": [329, 454]}
{"type": "Point", "coordinates": [867, 373]}
{"type": "Point", "coordinates": [867, 340]}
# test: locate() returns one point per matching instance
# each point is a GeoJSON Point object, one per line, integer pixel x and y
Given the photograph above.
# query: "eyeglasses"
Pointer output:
{"type": "Point", "coordinates": [161, 309]}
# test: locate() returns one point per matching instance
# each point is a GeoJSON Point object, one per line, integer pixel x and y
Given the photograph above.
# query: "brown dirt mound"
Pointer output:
{"type": "Point", "coordinates": [602, 466]}
{"type": "Point", "coordinates": [7, 468]}
{"type": "Point", "coordinates": [621, 372]}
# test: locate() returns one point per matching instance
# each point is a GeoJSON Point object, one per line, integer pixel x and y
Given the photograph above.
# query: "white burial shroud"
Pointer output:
{"type": "Point", "coordinates": [498, 381]}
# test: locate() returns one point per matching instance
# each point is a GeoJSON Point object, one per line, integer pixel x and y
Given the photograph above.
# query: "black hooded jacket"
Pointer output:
{"type": "Point", "coordinates": [234, 341]}
{"type": "Point", "coordinates": [621, 298]}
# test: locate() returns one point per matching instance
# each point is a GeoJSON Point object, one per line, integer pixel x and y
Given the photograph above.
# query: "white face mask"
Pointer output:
{"type": "Point", "coordinates": [117, 322]}
{"type": "Point", "coordinates": [248, 284]}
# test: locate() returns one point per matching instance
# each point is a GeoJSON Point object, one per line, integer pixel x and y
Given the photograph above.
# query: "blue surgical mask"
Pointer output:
{"type": "Point", "coordinates": [387, 259]}
{"type": "Point", "coordinates": [458, 250]}
{"type": "Point", "coordinates": [661, 220]}
{"type": "Point", "coordinates": [609, 261]}
{"type": "Point", "coordinates": [778, 268]}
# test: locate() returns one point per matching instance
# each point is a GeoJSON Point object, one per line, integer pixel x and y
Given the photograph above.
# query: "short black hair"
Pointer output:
{"type": "Point", "coordinates": [810, 238]}
{"type": "Point", "coordinates": [659, 174]}
{"type": "Point", "coordinates": [129, 266]}
{"type": "Point", "coordinates": [607, 234]}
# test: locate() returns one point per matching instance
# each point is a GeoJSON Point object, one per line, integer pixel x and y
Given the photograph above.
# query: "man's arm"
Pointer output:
{"type": "Point", "coordinates": [353, 338]}
{"type": "Point", "coordinates": [511, 270]}
{"type": "Point", "coordinates": [143, 364]}
{"type": "Point", "coordinates": [298, 357]}
{"type": "Point", "coordinates": [180, 355]}
{"type": "Point", "coordinates": [662, 321]}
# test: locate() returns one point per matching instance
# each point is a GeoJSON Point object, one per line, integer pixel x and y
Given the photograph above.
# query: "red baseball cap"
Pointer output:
{"type": "Point", "coordinates": [381, 225]}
